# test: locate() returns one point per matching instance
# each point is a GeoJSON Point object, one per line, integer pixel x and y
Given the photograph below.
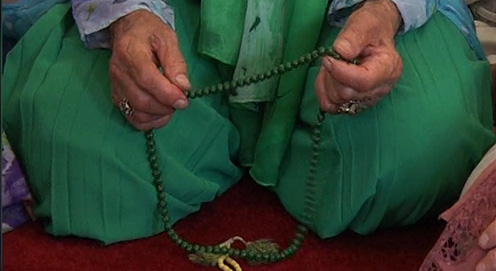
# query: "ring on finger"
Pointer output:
{"type": "Point", "coordinates": [352, 107]}
{"type": "Point", "coordinates": [126, 108]}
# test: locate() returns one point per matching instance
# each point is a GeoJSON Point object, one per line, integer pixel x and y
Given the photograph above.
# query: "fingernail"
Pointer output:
{"type": "Point", "coordinates": [343, 46]}
{"type": "Point", "coordinates": [326, 62]}
{"type": "Point", "coordinates": [183, 81]}
{"type": "Point", "coordinates": [481, 267]}
{"type": "Point", "coordinates": [180, 104]}
{"type": "Point", "coordinates": [483, 240]}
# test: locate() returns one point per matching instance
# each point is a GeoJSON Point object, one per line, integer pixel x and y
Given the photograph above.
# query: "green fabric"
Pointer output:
{"type": "Point", "coordinates": [223, 37]}
{"type": "Point", "coordinates": [403, 159]}
{"type": "Point", "coordinates": [408, 156]}
{"type": "Point", "coordinates": [87, 167]}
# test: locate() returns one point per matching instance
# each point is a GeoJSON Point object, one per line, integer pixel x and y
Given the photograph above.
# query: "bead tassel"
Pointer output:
{"type": "Point", "coordinates": [260, 251]}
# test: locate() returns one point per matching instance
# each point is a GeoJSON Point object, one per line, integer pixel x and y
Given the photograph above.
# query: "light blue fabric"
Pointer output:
{"type": "Point", "coordinates": [94, 16]}
{"type": "Point", "coordinates": [416, 12]}
{"type": "Point", "coordinates": [18, 17]}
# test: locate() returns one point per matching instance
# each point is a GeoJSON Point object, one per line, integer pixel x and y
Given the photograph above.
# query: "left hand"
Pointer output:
{"type": "Point", "coordinates": [369, 36]}
{"type": "Point", "coordinates": [488, 241]}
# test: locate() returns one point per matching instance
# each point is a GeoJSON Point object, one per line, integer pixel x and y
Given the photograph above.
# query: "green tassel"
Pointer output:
{"type": "Point", "coordinates": [262, 246]}
{"type": "Point", "coordinates": [204, 258]}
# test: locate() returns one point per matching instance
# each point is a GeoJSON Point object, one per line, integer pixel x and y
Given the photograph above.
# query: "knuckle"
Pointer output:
{"type": "Point", "coordinates": [492, 255]}
{"type": "Point", "coordinates": [145, 80]}
{"type": "Point", "coordinates": [140, 103]}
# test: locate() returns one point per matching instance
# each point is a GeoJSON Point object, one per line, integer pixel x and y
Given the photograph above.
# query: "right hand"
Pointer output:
{"type": "Point", "coordinates": [141, 43]}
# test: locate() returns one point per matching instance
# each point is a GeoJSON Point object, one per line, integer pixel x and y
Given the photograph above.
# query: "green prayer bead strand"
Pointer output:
{"type": "Point", "coordinates": [301, 230]}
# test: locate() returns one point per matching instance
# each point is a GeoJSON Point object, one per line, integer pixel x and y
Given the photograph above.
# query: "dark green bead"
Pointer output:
{"type": "Point", "coordinates": [184, 244]}
{"type": "Point", "coordinates": [242, 254]}
{"type": "Point", "coordinates": [322, 50]}
{"type": "Point", "coordinates": [150, 143]}
{"type": "Point", "coordinates": [254, 78]}
{"type": "Point", "coordinates": [226, 86]}
{"type": "Point", "coordinates": [308, 57]}
{"type": "Point", "coordinates": [296, 242]}
{"type": "Point", "coordinates": [265, 257]}
{"type": "Point", "coordinates": [284, 254]}
{"type": "Point", "coordinates": [162, 203]}
{"type": "Point", "coordinates": [268, 74]}
{"type": "Point", "coordinates": [289, 67]}
{"type": "Point", "coordinates": [258, 257]}
{"type": "Point", "coordinates": [236, 253]}
{"type": "Point", "coordinates": [216, 250]}
{"type": "Point", "coordinates": [150, 150]}
{"type": "Point", "coordinates": [192, 95]}
{"type": "Point", "coordinates": [157, 181]}
{"type": "Point", "coordinates": [220, 87]}
{"type": "Point", "coordinates": [295, 64]}
{"type": "Point", "coordinates": [156, 173]}
{"type": "Point", "coordinates": [165, 216]}
{"type": "Point", "coordinates": [213, 89]}
{"type": "Point", "coordinates": [189, 248]}
{"type": "Point", "coordinates": [230, 251]}
{"type": "Point", "coordinates": [233, 84]}
{"type": "Point", "coordinates": [196, 247]}
{"type": "Point", "coordinates": [224, 250]}
{"type": "Point", "coordinates": [154, 166]}
{"type": "Point", "coordinates": [282, 68]}
{"type": "Point", "coordinates": [149, 135]}
{"type": "Point", "coordinates": [302, 60]}
{"type": "Point", "coordinates": [209, 249]}
{"type": "Point", "coordinates": [160, 188]}
{"type": "Point", "coordinates": [250, 255]}
{"type": "Point", "coordinates": [206, 91]}
{"type": "Point", "coordinates": [261, 77]}
{"type": "Point", "coordinates": [315, 147]}
{"type": "Point", "coordinates": [161, 196]}
{"type": "Point", "coordinates": [274, 258]}
{"type": "Point", "coordinates": [152, 158]}
{"type": "Point", "coordinates": [240, 83]}
{"type": "Point", "coordinates": [302, 229]}
{"type": "Point", "coordinates": [275, 71]}
{"type": "Point", "coordinates": [315, 55]}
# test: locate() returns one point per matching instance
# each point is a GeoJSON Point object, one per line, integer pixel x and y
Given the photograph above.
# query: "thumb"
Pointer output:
{"type": "Point", "coordinates": [352, 39]}
{"type": "Point", "coordinates": [171, 60]}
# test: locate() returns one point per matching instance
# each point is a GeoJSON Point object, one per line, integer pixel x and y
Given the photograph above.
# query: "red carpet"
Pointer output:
{"type": "Point", "coordinates": [246, 210]}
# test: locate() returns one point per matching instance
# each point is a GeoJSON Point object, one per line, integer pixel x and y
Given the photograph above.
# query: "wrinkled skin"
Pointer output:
{"type": "Point", "coordinates": [141, 42]}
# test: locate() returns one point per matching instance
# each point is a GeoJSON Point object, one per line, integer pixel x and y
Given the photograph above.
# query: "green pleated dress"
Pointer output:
{"type": "Point", "coordinates": [405, 158]}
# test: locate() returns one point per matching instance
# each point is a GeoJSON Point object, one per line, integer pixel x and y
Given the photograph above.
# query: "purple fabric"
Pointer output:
{"type": "Point", "coordinates": [15, 191]}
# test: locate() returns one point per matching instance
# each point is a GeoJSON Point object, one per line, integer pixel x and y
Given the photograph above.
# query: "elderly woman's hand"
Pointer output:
{"type": "Point", "coordinates": [369, 36]}
{"type": "Point", "coordinates": [141, 43]}
{"type": "Point", "coordinates": [488, 241]}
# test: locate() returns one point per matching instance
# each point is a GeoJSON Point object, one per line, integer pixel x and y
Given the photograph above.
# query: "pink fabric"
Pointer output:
{"type": "Point", "coordinates": [457, 249]}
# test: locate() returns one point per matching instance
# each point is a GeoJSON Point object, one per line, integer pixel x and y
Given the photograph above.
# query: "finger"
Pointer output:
{"type": "Point", "coordinates": [353, 38]}
{"type": "Point", "coordinates": [123, 87]}
{"type": "Point", "coordinates": [148, 77]}
{"type": "Point", "coordinates": [320, 90]}
{"type": "Point", "coordinates": [144, 118]}
{"type": "Point", "coordinates": [364, 77]}
{"type": "Point", "coordinates": [488, 263]}
{"type": "Point", "coordinates": [488, 237]}
{"type": "Point", "coordinates": [150, 125]}
{"type": "Point", "coordinates": [171, 60]}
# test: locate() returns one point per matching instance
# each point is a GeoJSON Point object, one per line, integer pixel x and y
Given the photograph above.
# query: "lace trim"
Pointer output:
{"type": "Point", "coordinates": [461, 235]}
